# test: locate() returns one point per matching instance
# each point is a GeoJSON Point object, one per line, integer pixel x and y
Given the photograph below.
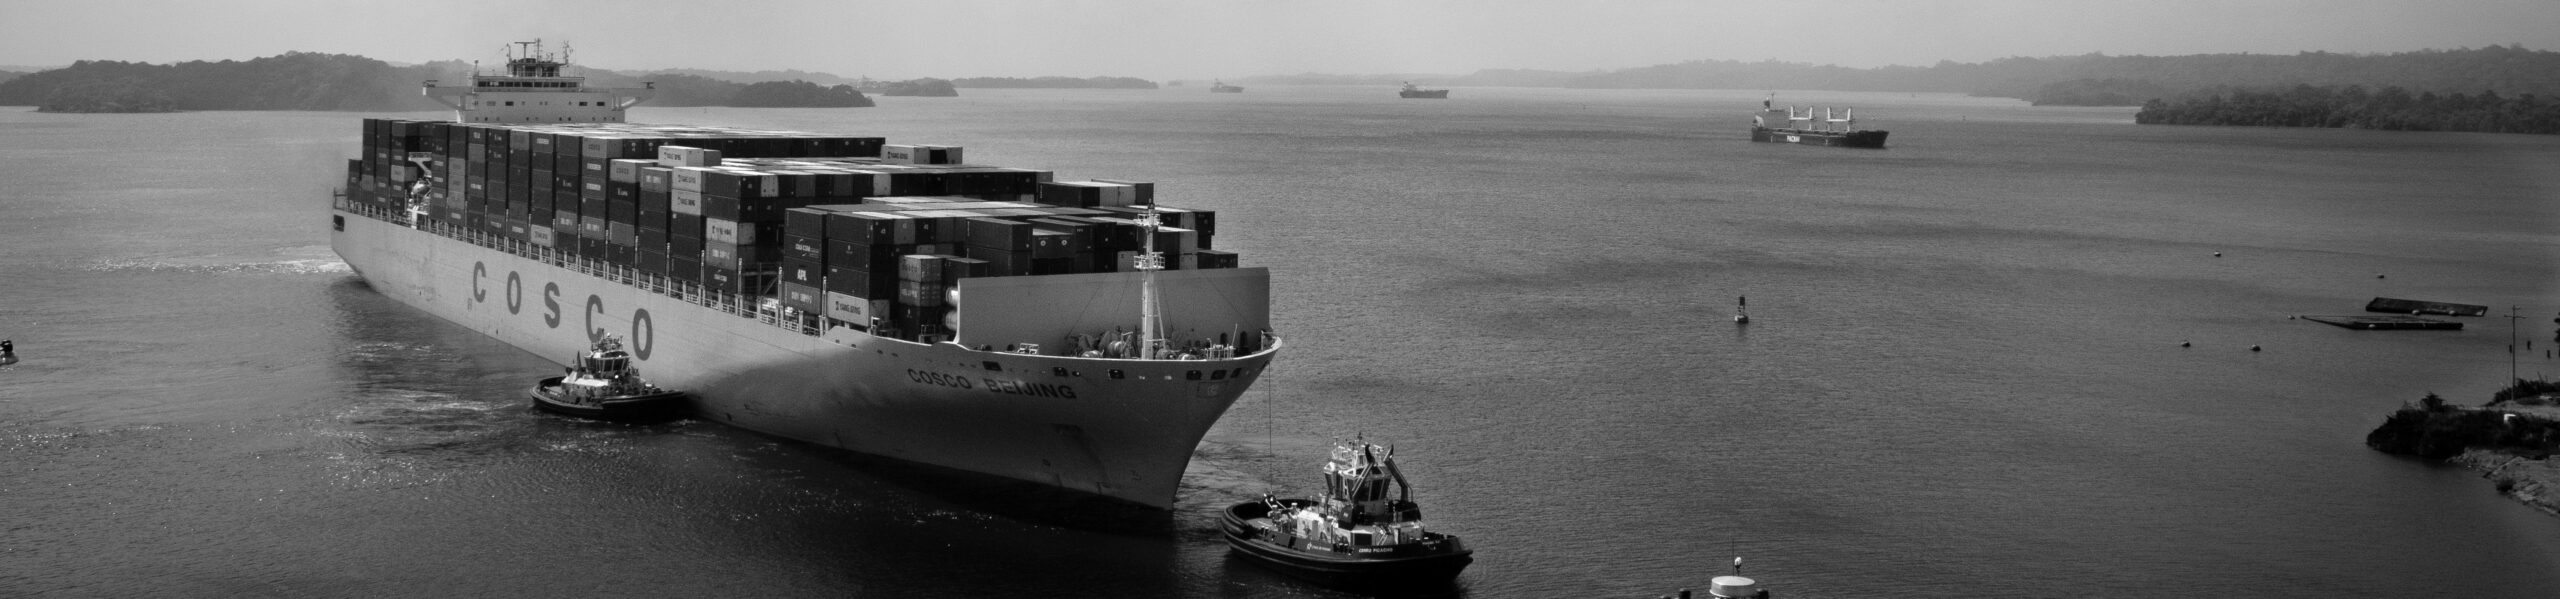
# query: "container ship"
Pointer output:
{"type": "Point", "coordinates": [1841, 130]}
{"type": "Point", "coordinates": [888, 299]}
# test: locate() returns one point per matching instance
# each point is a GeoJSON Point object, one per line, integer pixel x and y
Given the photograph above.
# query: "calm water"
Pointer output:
{"type": "Point", "coordinates": [1962, 378]}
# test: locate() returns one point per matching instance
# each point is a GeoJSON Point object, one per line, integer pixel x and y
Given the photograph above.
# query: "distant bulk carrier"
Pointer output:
{"type": "Point", "coordinates": [1830, 130]}
{"type": "Point", "coordinates": [886, 299]}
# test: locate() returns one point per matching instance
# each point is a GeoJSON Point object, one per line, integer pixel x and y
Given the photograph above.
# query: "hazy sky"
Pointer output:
{"type": "Point", "coordinates": [1165, 39]}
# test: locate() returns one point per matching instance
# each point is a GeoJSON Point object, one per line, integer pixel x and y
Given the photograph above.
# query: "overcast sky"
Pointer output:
{"type": "Point", "coordinates": [1168, 39]}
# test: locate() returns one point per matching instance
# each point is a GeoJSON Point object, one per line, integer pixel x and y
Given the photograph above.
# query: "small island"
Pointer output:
{"type": "Point", "coordinates": [2509, 440]}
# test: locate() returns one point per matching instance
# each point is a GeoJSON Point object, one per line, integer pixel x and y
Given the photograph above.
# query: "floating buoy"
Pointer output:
{"type": "Point", "coordinates": [1740, 302]}
{"type": "Point", "coordinates": [2253, 348]}
{"type": "Point", "coordinates": [2217, 254]}
{"type": "Point", "coordinates": [8, 352]}
{"type": "Point", "coordinates": [2183, 344]}
{"type": "Point", "coordinates": [2377, 276]}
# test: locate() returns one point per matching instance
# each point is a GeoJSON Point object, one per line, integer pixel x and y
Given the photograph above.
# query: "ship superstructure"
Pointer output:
{"type": "Point", "coordinates": [884, 298]}
{"type": "Point", "coordinates": [535, 90]}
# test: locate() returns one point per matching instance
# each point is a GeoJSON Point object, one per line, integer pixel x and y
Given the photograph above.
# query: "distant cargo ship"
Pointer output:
{"type": "Point", "coordinates": [1221, 87]}
{"type": "Point", "coordinates": [1410, 91]}
{"type": "Point", "coordinates": [886, 299]}
{"type": "Point", "coordinates": [1803, 128]}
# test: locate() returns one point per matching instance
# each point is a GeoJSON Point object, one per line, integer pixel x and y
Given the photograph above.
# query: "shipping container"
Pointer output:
{"type": "Point", "coordinates": [722, 230]}
{"type": "Point", "coordinates": [1048, 244]}
{"type": "Point", "coordinates": [860, 283]}
{"type": "Point", "coordinates": [923, 294]}
{"type": "Point", "coordinates": [1141, 192]}
{"type": "Point", "coordinates": [803, 271]}
{"type": "Point", "coordinates": [920, 267]}
{"type": "Point", "coordinates": [999, 234]}
{"type": "Point", "coordinates": [813, 249]}
{"type": "Point", "coordinates": [674, 155]}
{"type": "Point", "coordinates": [955, 268]}
{"type": "Point", "coordinates": [919, 154]}
{"type": "Point", "coordinates": [1079, 234]}
{"type": "Point", "coordinates": [685, 202]}
{"type": "Point", "coordinates": [1217, 259]}
{"type": "Point", "coordinates": [805, 298]}
{"type": "Point", "coordinates": [737, 183]}
{"type": "Point", "coordinates": [859, 311]}
{"type": "Point", "coordinates": [656, 178]}
{"type": "Point", "coordinates": [865, 257]}
{"type": "Point", "coordinates": [1002, 263]}
{"type": "Point", "coordinates": [687, 225]}
{"type": "Point", "coordinates": [682, 267]}
{"type": "Point", "coordinates": [650, 261]}
{"type": "Point", "coordinates": [624, 170]}
{"type": "Point", "coordinates": [653, 238]}
{"type": "Point", "coordinates": [862, 228]}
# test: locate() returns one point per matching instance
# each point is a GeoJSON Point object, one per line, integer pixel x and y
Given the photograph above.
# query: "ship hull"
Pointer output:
{"type": "Point", "coordinates": [1053, 420]}
{"type": "Point", "coordinates": [1845, 139]}
{"type": "Point", "coordinates": [1433, 94]}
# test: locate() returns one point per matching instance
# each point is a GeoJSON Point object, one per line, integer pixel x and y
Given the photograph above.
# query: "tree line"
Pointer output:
{"type": "Point", "coordinates": [2353, 106]}
{"type": "Point", "coordinates": [316, 81]}
{"type": "Point", "coordinates": [2090, 79]}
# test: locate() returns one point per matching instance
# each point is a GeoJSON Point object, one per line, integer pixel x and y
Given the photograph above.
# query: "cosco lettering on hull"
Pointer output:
{"type": "Point", "coordinates": [640, 339]}
{"type": "Point", "coordinates": [992, 385]}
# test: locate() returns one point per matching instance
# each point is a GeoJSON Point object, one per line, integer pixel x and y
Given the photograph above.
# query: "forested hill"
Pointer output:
{"type": "Point", "coordinates": [292, 81]}
{"type": "Point", "coordinates": [2086, 79]}
{"type": "Point", "coordinates": [1054, 82]}
{"type": "Point", "coordinates": [314, 81]}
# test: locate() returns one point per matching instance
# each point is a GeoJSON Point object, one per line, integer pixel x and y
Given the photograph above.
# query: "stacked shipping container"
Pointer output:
{"type": "Point", "coordinates": [847, 229]}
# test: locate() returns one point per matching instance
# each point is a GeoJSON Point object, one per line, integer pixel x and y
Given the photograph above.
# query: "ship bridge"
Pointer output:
{"type": "Point", "coordinates": [533, 90]}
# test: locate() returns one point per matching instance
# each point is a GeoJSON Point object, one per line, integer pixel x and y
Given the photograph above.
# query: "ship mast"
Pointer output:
{"type": "Point", "coordinates": [1150, 312]}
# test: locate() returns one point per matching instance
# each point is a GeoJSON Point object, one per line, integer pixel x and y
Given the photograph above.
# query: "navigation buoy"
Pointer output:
{"type": "Point", "coordinates": [2377, 276]}
{"type": "Point", "coordinates": [1740, 302]}
{"type": "Point", "coordinates": [2217, 254]}
{"type": "Point", "coordinates": [2183, 344]}
{"type": "Point", "coordinates": [8, 352]}
{"type": "Point", "coordinates": [2253, 348]}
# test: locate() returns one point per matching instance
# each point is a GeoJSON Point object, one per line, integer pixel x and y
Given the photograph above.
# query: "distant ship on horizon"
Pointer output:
{"type": "Point", "coordinates": [1803, 128]}
{"type": "Point", "coordinates": [1411, 92]}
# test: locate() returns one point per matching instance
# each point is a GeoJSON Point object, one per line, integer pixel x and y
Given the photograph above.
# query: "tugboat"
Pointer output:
{"type": "Point", "coordinates": [1354, 535]}
{"type": "Point", "coordinates": [604, 385]}
{"type": "Point", "coordinates": [1841, 131]}
{"type": "Point", "coordinates": [1415, 92]}
{"type": "Point", "coordinates": [1221, 87]}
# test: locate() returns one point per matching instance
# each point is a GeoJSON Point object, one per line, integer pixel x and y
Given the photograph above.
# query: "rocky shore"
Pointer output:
{"type": "Point", "coordinates": [2510, 440]}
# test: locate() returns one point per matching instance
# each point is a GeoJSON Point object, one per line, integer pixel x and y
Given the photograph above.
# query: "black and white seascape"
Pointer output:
{"type": "Point", "coordinates": [1964, 371]}
{"type": "Point", "coordinates": [2019, 351]}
